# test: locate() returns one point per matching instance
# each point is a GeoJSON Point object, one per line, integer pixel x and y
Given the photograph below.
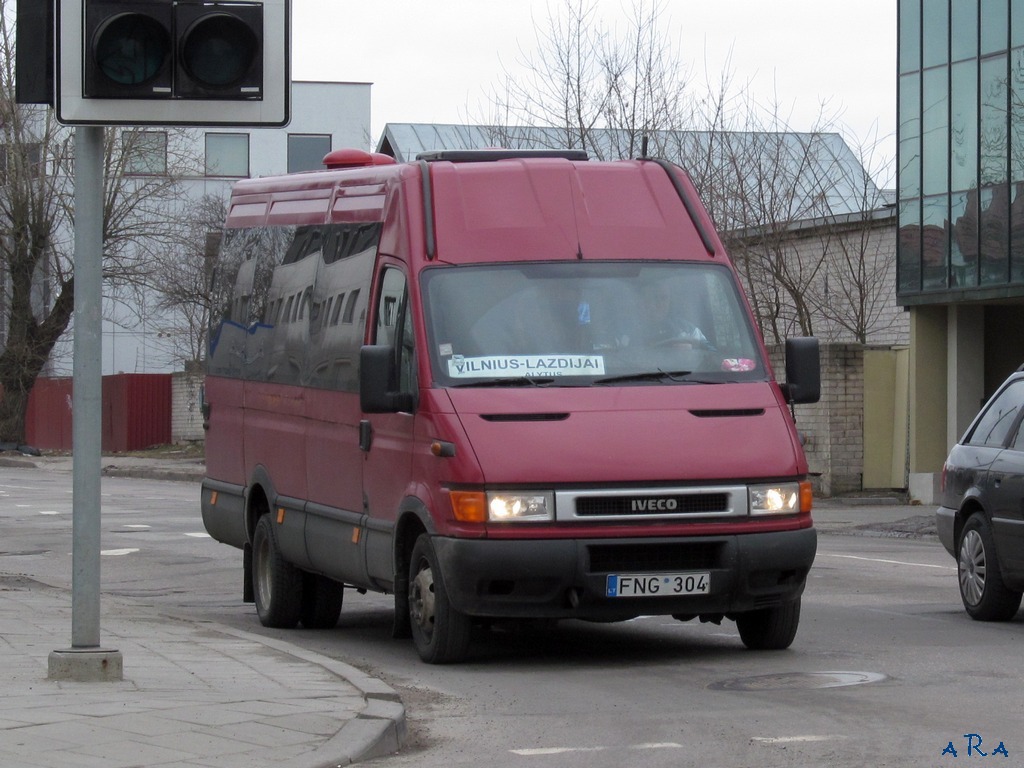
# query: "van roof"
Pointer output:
{"type": "Point", "coordinates": [484, 206]}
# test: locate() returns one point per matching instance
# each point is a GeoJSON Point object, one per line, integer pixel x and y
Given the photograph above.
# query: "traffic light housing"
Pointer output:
{"type": "Point", "coordinates": [173, 62]}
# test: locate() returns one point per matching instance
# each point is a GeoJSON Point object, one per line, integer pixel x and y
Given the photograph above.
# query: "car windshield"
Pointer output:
{"type": "Point", "coordinates": [581, 324]}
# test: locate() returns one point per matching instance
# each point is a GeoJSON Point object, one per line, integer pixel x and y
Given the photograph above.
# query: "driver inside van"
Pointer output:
{"type": "Point", "coordinates": [665, 325]}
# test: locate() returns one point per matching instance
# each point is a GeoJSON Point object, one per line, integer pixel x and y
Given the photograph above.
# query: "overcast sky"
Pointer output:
{"type": "Point", "coordinates": [434, 61]}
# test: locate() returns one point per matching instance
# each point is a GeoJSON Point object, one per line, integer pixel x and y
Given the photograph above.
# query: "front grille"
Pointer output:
{"type": "Point", "coordinates": [673, 504]}
{"type": "Point", "coordinates": [651, 558]}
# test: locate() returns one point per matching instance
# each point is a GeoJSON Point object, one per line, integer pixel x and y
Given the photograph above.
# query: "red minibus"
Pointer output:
{"type": "Point", "coordinates": [500, 385]}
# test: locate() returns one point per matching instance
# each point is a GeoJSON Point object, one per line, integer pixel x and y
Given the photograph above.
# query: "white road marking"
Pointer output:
{"type": "Point", "coordinates": [48, 512]}
{"type": "Point", "coordinates": [890, 562]}
{"type": "Point", "coordinates": [200, 535]}
{"type": "Point", "coordinates": [117, 552]}
{"type": "Point", "coordinates": [138, 525]}
{"type": "Point", "coordinates": [541, 751]}
{"type": "Point", "coordinates": [794, 739]}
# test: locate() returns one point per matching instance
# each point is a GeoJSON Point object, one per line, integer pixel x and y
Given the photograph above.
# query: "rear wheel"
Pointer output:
{"type": "Point", "coordinates": [277, 584]}
{"type": "Point", "coordinates": [440, 632]}
{"type": "Point", "coordinates": [321, 601]}
{"type": "Point", "coordinates": [985, 596]}
{"type": "Point", "coordinates": [770, 629]}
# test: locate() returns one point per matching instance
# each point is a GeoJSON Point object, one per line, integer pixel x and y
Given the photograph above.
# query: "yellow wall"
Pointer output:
{"type": "Point", "coordinates": [928, 447]}
{"type": "Point", "coordinates": [885, 417]}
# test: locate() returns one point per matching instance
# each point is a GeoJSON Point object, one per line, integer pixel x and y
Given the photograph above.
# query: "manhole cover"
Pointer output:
{"type": "Point", "coordinates": [797, 681]}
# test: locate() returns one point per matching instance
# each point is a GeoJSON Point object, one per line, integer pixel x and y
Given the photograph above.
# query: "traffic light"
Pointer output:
{"type": "Point", "coordinates": [173, 62]}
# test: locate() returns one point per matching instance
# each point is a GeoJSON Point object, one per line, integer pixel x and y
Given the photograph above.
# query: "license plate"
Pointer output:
{"type": "Point", "coordinates": [657, 584]}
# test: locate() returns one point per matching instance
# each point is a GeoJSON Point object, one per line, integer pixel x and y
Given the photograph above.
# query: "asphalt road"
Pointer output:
{"type": "Point", "coordinates": [886, 670]}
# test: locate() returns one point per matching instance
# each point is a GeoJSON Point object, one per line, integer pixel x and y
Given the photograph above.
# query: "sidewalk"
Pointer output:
{"type": "Point", "coordinates": [203, 694]}
{"type": "Point", "coordinates": [193, 693]}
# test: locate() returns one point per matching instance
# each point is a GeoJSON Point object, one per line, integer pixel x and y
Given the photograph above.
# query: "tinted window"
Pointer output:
{"type": "Point", "coordinates": [999, 417]}
{"type": "Point", "coordinates": [277, 296]}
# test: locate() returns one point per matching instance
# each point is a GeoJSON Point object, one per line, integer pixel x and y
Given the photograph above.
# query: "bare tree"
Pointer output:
{"type": "Point", "coordinates": [36, 219]}
{"type": "Point", "coordinates": [586, 88]}
{"type": "Point", "coordinates": [181, 276]}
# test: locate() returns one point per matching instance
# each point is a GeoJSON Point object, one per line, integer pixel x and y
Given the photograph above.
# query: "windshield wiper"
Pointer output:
{"type": "Point", "coordinates": [658, 376]}
{"type": "Point", "coordinates": [508, 381]}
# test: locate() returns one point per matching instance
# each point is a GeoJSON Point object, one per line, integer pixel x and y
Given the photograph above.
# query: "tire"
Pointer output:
{"type": "Point", "coordinates": [277, 584]}
{"type": "Point", "coordinates": [984, 595]}
{"type": "Point", "coordinates": [770, 629]}
{"type": "Point", "coordinates": [441, 634]}
{"type": "Point", "coordinates": [321, 601]}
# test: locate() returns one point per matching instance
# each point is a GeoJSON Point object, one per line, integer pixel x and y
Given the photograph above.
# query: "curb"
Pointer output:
{"type": "Point", "coordinates": [378, 730]}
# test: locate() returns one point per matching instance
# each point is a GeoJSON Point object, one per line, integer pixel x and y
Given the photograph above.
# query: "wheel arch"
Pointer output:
{"type": "Point", "coordinates": [259, 497]}
{"type": "Point", "coordinates": [413, 520]}
{"type": "Point", "coordinates": [970, 506]}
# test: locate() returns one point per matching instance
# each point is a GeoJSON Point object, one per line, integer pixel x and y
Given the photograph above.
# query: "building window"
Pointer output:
{"type": "Point", "coordinates": [306, 151]}
{"type": "Point", "coordinates": [964, 41]}
{"type": "Point", "coordinates": [31, 155]}
{"type": "Point", "coordinates": [935, 22]}
{"type": "Point", "coordinates": [909, 42]}
{"type": "Point", "coordinates": [145, 152]}
{"type": "Point", "coordinates": [935, 130]}
{"type": "Point", "coordinates": [961, 149]}
{"type": "Point", "coordinates": [227, 154]}
{"type": "Point", "coordinates": [995, 26]}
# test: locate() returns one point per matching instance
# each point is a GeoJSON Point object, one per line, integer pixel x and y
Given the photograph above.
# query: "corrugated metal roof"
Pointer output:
{"type": "Point", "coordinates": [746, 179]}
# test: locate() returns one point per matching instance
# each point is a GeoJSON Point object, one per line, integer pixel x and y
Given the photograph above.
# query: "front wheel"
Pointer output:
{"type": "Point", "coordinates": [770, 629]}
{"type": "Point", "coordinates": [985, 596]}
{"type": "Point", "coordinates": [277, 584]}
{"type": "Point", "coordinates": [440, 633]}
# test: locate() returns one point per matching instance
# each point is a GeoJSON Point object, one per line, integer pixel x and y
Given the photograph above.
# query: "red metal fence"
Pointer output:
{"type": "Point", "coordinates": [136, 412]}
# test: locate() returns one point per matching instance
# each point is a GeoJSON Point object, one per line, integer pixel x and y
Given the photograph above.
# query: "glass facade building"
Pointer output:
{"type": "Point", "coordinates": [960, 151]}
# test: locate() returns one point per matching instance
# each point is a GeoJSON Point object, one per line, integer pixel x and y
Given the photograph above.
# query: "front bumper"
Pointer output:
{"type": "Point", "coordinates": [566, 578]}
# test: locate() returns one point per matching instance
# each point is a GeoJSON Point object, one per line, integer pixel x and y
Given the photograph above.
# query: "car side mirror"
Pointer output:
{"type": "Point", "coordinates": [803, 370]}
{"type": "Point", "coordinates": [377, 379]}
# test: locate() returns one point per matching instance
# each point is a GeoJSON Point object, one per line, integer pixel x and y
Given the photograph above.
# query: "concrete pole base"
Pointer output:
{"type": "Point", "coordinates": [86, 665]}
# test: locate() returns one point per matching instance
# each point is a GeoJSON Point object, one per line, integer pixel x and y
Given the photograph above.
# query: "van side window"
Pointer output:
{"type": "Point", "coordinates": [290, 303]}
{"type": "Point", "coordinates": [395, 328]}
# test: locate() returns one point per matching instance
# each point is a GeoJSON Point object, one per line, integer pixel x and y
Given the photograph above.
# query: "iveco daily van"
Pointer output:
{"type": "Point", "coordinates": [500, 385]}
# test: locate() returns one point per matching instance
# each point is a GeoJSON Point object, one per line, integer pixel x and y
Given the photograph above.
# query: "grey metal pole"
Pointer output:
{"type": "Point", "coordinates": [85, 660]}
{"type": "Point", "coordinates": [86, 416]}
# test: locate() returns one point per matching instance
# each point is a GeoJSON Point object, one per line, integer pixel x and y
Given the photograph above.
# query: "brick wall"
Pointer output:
{"type": "Point", "coordinates": [833, 428]}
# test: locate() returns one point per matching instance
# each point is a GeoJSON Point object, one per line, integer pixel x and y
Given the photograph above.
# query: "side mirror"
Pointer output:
{"type": "Point", "coordinates": [376, 382]}
{"type": "Point", "coordinates": [803, 370]}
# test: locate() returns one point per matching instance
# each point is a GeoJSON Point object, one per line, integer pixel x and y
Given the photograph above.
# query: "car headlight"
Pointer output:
{"type": "Point", "coordinates": [507, 506]}
{"type": "Point", "coordinates": [503, 506]}
{"type": "Point", "coordinates": [777, 499]}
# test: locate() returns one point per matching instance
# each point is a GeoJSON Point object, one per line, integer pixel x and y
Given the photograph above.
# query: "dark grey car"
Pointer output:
{"type": "Point", "coordinates": [981, 520]}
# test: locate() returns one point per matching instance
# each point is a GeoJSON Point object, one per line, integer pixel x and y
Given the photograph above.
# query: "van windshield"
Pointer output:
{"type": "Point", "coordinates": [581, 324]}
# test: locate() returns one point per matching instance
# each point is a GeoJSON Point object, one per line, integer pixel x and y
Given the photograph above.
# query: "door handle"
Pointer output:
{"type": "Point", "coordinates": [365, 435]}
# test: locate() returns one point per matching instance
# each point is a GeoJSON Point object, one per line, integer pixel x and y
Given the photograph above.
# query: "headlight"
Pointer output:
{"type": "Point", "coordinates": [502, 506]}
{"type": "Point", "coordinates": [779, 499]}
{"type": "Point", "coordinates": [507, 506]}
